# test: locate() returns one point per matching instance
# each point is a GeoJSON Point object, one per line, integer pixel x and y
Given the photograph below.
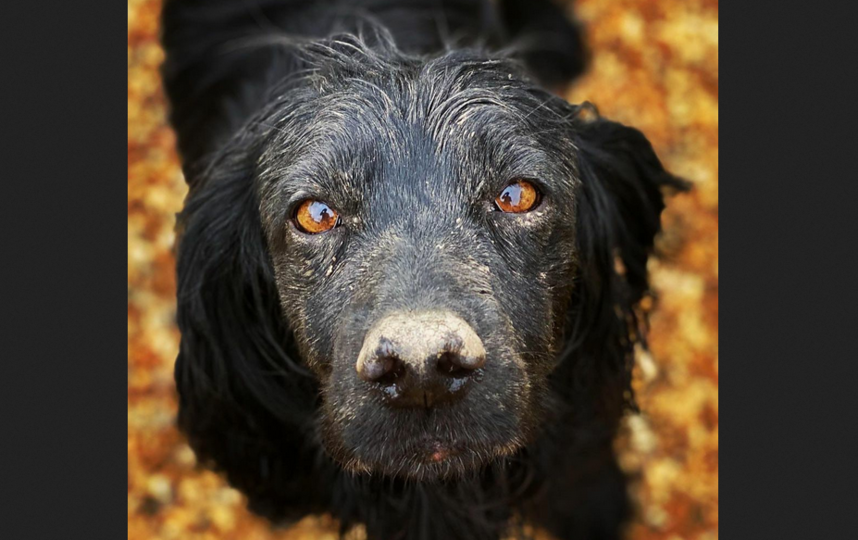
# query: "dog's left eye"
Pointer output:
{"type": "Point", "coordinates": [314, 217]}
{"type": "Point", "coordinates": [517, 197]}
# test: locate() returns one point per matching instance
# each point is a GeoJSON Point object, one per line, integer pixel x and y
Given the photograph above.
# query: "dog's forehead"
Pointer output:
{"type": "Point", "coordinates": [418, 142]}
{"type": "Point", "coordinates": [400, 171]}
{"type": "Point", "coordinates": [443, 165]}
{"type": "Point", "coordinates": [363, 140]}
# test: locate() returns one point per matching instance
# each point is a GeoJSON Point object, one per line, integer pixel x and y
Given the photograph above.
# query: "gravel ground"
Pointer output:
{"type": "Point", "coordinates": [654, 66]}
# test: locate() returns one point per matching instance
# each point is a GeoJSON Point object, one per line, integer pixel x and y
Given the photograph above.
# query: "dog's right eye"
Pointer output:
{"type": "Point", "coordinates": [314, 217]}
{"type": "Point", "coordinates": [517, 197]}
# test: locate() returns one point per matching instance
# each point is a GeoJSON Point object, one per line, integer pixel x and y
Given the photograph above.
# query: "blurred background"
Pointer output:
{"type": "Point", "coordinates": [654, 66]}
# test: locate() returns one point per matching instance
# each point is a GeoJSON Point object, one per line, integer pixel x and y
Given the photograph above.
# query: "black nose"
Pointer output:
{"type": "Point", "coordinates": [421, 359]}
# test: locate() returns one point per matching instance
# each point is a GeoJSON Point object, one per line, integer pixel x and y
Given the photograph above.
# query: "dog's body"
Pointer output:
{"type": "Point", "coordinates": [278, 103]}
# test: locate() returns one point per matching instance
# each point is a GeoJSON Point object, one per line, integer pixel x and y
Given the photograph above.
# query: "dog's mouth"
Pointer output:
{"type": "Point", "coordinates": [433, 450]}
{"type": "Point", "coordinates": [438, 452]}
{"type": "Point", "coordinates": [432, 458]}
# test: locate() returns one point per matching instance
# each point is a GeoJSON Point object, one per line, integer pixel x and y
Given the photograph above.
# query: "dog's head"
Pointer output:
{"type": "Point", "coordinates": [438, 237]}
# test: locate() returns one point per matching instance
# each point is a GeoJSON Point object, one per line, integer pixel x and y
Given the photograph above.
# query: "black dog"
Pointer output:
{"type": "Point", "coordinates": [408, 274]}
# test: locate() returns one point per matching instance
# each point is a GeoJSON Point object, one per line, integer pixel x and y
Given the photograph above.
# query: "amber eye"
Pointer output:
{"type": "Point", "coordinates": [315, 217]}
{"type": "Point", "coordinates": [520, 196]}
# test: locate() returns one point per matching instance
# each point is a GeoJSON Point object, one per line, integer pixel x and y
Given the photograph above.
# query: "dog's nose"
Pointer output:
{"type": "Point", "coordinates": [421, 359]}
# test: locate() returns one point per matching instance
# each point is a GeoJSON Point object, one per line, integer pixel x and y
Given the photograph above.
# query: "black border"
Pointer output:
{"type": "Point", "coordinates": [788, 294]}
{"type": "Point", "coordinates": [63, 290]}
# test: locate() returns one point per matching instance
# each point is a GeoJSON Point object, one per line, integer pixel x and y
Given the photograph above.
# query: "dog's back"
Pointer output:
{"type": "Point", "coordinates": [223, 55]}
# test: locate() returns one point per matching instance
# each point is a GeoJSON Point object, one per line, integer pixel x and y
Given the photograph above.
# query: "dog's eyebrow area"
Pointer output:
{"type": "Point", "coordinates": [350, 149]}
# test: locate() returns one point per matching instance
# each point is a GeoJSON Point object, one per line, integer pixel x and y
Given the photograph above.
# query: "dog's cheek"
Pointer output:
{"type": "Point", "coordinates": [311, 297]}
{"type": "Point", "coordinates": [348, 421]}
{"type": "Point", "coordinates": [332, 414]}
{"type": "Point", "coordinates": [534, 285]}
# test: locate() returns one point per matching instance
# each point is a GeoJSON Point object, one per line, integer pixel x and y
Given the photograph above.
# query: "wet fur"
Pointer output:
{"type": "Point", "coordinates": [408, 118]}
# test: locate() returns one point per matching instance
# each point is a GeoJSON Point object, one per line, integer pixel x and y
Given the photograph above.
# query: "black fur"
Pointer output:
{"type": "Point", "coordinates": [400, 116]}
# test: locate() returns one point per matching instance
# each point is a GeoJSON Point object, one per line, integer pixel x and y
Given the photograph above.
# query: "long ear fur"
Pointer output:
{"type": "Point", "coordinates": [215, 72]}
{"type": "Point", "coordinates": [551, 44]}
{"type": "Point", "coordinates": [619, 208]}
{"type": "Point", "coordinates": [243, 403]}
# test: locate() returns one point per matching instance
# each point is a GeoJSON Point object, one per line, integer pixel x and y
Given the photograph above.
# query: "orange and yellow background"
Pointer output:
{"type": "Point", "coordinates": [654, 66]}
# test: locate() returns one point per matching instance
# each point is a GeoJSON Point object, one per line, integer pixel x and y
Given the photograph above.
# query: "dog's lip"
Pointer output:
{"type": "Point", "coordinates": [434, 450]}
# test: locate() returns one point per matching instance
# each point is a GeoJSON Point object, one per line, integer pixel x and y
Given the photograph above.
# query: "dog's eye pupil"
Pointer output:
{"type": "Point", "coordinates": [315, 217]}
{"type": "Point", "coordinates": [519, 196]}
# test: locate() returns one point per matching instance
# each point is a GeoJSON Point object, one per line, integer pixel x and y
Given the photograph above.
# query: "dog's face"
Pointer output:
{"type": "Point", "coordinates": [421, 225]}
{"type": "Point", "coordinates": [432, 233]}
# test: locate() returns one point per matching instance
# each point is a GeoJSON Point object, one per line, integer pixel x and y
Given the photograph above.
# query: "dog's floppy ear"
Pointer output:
{"type": "Point", "coordinates": [234, 376]}
{"type": "Point", "coordinates": [622, 185]}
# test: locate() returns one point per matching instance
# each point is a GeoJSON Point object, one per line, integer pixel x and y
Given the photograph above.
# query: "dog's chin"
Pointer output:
{"type": "Point", "coordinates": [408, 449]}
{"type": "Point", "coordinates": [429, 459]}
{"type": "Point", "coordinates": [367, 436]}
